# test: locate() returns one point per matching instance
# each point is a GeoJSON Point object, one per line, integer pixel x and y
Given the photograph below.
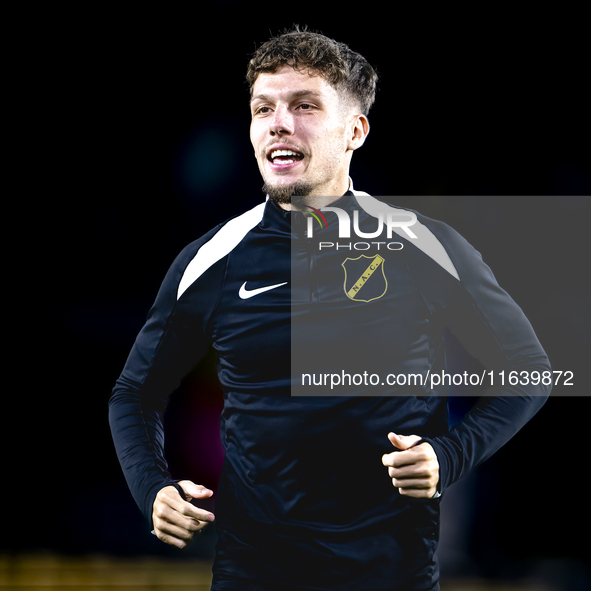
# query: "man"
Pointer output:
{"type": "Point", "coordinates": [333, 489]}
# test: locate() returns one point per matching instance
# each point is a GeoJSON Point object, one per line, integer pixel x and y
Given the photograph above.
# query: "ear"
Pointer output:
{"type": "Point", "coordinates": [358, 130]}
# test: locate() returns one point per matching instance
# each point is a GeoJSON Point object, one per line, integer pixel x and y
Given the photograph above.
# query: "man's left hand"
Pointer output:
{"type": "Point", "coordinates": [414, 470]}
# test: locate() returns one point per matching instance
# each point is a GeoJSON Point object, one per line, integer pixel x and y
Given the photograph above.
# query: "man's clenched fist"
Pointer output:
{"type": "Point", "coordinates": [177, 521]}
{"type": "Point", "coordinates": [414, 470]}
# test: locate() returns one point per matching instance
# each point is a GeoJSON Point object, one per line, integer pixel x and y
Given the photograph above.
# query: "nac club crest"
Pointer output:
{"type": "Point", "coordinates": [365, 279]}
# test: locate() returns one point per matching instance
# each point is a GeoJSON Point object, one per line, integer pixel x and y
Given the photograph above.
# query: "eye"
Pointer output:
{"type": "Point", "coordinates": [305, 106]}
{"type": "Point", "coordinates": [262, 110]}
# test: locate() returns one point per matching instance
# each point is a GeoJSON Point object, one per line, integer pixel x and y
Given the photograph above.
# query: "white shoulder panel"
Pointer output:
{"type": "Point", "coordinates": [222, 243]}
{"type": "Point", "coordinates": [425, 241]}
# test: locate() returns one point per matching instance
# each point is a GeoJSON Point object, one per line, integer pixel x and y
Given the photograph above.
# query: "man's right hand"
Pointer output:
{"type": "Point", "coordinates": [177, 521]}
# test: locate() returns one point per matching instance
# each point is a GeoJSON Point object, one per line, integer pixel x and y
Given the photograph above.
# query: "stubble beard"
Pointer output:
{"type": "Point", "coordinates": [293, 193]}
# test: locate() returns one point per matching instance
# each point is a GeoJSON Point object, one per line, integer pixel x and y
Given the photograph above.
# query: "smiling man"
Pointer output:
{"type": "Point", "coordinates": [304, 132]}
{"type": "Point", "coordinates": [329, 490]}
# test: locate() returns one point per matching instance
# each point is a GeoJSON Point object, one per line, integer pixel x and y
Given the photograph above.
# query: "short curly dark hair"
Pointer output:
{"type": "Point", "coordinates": [306, 50]}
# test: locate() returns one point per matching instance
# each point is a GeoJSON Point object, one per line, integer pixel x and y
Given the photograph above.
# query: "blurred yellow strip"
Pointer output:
{"type": "Point", "coordinates": [56, 572]}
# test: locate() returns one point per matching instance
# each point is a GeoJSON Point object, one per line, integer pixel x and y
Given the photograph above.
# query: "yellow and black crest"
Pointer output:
{"type": "Point", "coordinates": [365, 279]}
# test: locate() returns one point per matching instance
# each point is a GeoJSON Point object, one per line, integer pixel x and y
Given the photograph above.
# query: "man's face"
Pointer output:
{"type": "Point", "coordinates": [300, 131]}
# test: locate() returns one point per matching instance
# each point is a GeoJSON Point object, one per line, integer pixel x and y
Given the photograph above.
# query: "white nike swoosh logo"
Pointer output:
{"type": "Point", "coordinates": [245, 293]}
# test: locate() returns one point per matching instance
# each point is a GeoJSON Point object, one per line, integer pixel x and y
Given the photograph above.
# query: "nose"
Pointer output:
{"type": "Point", "coordinates": [281, 122]}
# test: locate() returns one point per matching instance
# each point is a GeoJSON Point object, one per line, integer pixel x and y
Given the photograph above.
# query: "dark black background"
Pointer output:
{"type": "Point", "coordinates": [132, 141]}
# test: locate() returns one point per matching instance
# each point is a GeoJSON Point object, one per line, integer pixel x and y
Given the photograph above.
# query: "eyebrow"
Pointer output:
{"type": "Point", "coordinates": [294, 95]}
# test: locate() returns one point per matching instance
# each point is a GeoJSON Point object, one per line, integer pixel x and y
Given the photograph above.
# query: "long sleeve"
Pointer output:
{"type": "Point", "coordinates": [493, 329]}
{"type": "Point", "coordinates": [172, 340]}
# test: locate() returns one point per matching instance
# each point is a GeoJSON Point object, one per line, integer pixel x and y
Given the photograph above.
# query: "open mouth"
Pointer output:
{"type": "Point", "coordinates": [284, 156]}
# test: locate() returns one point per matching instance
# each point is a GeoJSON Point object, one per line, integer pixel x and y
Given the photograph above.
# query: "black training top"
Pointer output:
{"type": "Point", "coordinates": [304, 501]}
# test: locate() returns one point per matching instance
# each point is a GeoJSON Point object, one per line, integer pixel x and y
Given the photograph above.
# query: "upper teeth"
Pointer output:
{"type": "Point", "coordinates": [276, 153]}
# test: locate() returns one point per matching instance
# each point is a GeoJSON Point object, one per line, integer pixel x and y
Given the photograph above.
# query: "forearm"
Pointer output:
{"type": "Point", "coordinates": [138, 436]}
{"type": "Point", "coordinates": [492, 422]}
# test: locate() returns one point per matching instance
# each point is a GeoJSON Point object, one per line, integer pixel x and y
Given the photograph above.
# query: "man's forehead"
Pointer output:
{"type": "Point", "coordinates": [293, 83]}
{"type": "Point", "coordinates": [287, 93]}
